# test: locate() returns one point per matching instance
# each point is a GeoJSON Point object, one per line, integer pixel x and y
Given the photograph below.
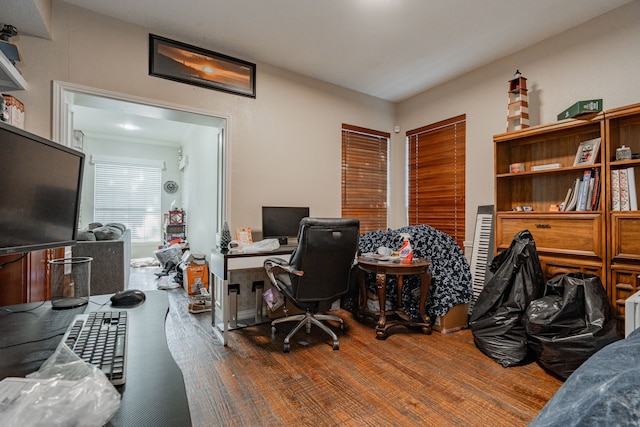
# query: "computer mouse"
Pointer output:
{"type": "Point", "coordinates": [128, 298]}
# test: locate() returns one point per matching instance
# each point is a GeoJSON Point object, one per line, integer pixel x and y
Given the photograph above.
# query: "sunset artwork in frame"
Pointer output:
{"type": "Point", "coordinates": [173, 60]}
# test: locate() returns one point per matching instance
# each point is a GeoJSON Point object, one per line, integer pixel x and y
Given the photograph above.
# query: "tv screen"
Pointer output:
{"type": "Point", "coordinates": [40, 198]}
{"type": "Point", "coordinates": [282, 221]}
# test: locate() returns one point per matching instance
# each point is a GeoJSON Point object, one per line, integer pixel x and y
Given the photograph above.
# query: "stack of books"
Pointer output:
{"type": "Point", "coordinates": [584, 194]}
{"type": "Point", "coordinates": [623, 190]}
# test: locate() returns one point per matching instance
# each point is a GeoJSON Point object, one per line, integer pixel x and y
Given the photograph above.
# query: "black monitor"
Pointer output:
{"type": "Point", "coordinates": [40, 197]}
{"type": "Point", "coordinates": [282, 222]}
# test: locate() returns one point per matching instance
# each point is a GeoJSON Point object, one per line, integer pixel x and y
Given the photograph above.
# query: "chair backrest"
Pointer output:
{"type": "Point", "coordinates": [326, 252]}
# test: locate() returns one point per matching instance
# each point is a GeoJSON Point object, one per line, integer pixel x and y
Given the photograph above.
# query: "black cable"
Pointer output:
{"type": "Point", "coordinates": [35, 341]}
{"type": "Point", "coordinates": [15, 260]}
{"type": "Point", "coordinates": [22, 311]}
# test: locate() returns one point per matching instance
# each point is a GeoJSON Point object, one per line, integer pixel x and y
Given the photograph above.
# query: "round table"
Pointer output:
{"type": "Point", "coordinates": [382, 268]}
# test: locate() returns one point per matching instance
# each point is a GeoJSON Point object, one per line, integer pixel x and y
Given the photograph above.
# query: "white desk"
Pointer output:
{"type": "Point", "coordinates": [221, 265]}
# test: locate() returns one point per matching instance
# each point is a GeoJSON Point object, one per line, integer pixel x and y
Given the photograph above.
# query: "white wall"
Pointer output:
{"type": "Point", "coordinates": [599, 59]}
{"type": "Point", "coordinates": [285, 145]}
{"type": "Point", "coordinates": [199, 180]}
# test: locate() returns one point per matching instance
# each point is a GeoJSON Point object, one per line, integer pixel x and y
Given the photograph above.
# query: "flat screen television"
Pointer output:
{"type": "Point", "coordinates": [40, 194]}
{"type": "Point", "coordinates": [282, 222]}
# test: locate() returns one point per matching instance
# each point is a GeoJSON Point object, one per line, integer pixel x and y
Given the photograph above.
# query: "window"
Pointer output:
{"type": "Point", "coordinates": [130, 194]}
{"type": "Point", "coordinates": [365, 176]}
{"type": "Point", "coordinates": [436, 181]}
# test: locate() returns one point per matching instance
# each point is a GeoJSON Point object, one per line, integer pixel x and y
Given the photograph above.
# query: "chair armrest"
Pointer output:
{"type": "Point", "coordinates": [271, 264]}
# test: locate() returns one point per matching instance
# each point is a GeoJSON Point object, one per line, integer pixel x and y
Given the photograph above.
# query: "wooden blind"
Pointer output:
{"type": "Point", "coordinates": [365, 176]}
{"type": "Point", "coordinates": [437, 176]}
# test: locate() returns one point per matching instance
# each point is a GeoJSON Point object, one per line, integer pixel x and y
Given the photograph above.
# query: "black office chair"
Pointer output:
{"type": "Point", "coordinates": [317, 273]}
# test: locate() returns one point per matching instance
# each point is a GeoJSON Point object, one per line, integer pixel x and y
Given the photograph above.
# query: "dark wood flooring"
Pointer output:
{"type": "Point", "coordinates": [407, 379]}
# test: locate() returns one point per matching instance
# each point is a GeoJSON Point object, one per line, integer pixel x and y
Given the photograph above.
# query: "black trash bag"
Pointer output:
{"type": "Point", "coordinates": [570, 323]}
{"type": "Point", "coordinates": [496, 320]}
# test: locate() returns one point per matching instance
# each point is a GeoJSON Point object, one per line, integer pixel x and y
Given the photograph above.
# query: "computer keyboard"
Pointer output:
{"type": "Point", "coordinates": [100, 338]}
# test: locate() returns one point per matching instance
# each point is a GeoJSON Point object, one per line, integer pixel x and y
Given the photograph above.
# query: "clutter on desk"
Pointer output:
{"type": "Point", "coordinates": [266, 245]}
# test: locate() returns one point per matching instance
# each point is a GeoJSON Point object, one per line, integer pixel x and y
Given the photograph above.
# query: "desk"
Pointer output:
{"type": "Point", "coordinates": [221, 265]}
{"type": "Point", "coordinates": [381, 269]}
{"type": "Point", "coordinates": [154, 394]}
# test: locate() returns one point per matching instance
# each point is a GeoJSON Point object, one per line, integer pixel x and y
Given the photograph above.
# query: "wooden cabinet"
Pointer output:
{"type": "Point", "coordinates": [623, 130]}
{"type": "Point", "coordinates": [602, 241]}
{"type": "Point", "coordinates": [26, 279]}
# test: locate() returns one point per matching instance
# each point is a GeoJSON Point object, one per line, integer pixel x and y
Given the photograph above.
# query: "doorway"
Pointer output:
{"type": "Point", "coordinates": [198, 139]}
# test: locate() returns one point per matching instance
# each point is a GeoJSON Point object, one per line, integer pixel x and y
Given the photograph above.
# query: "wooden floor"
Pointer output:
{"type": "Point", "coordinates": [407, 379]}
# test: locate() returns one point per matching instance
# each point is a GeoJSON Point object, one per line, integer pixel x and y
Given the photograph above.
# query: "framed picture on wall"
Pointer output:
{"type": "Point", "coordinates": [173, 60]}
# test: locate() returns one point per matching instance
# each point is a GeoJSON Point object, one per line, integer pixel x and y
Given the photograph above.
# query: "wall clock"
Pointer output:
{"type": "Point", "coordinates": [170, 187]}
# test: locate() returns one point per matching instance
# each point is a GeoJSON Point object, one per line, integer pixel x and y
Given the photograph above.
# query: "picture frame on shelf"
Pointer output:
{"type": "Point", "coordinates": [177, 61]}
{"type": "Point", "coordinates": [587, 152]}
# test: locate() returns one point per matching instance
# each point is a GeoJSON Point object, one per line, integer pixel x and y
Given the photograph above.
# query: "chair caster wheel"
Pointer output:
{"type": "Point", "coordinates": [336, 345]}
{"type": "Point", "coordinates": [273, 331]}
{"type": "Point", "coordinates": [343, 326]}
{"type": "Point", "coordinates": [287, 347]}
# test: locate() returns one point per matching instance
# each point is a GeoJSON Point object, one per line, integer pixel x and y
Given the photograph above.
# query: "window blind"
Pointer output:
{"type": "Point", "coordinates": [129, 194]}
{"type": "Point", "coordinates": [436, 176]}
{"type": "Point", "coordinates": [365, 176]}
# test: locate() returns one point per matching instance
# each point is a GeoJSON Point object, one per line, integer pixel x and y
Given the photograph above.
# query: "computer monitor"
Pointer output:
{"type": "Point", "coordinates": [282, 222]}
{"type": "Point", "coordinates": [40, 197]}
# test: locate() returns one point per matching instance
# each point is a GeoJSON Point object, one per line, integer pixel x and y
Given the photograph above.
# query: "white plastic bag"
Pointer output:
{"type": "Point", "coordinates": [65, 391]}
{"type": "Point", "coordinates": [265, 245]}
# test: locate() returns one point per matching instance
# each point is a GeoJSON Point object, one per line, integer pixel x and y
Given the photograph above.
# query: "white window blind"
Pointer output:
{"type": "Point", "coordinates": [129, 194]}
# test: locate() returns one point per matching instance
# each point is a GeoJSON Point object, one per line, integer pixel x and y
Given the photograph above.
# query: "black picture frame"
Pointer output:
{"type": "Point", "coordinates": [180, 62]}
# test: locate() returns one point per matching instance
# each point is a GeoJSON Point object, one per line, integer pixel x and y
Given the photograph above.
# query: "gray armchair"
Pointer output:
{"type": "Point", "coordinates": [317, 273]}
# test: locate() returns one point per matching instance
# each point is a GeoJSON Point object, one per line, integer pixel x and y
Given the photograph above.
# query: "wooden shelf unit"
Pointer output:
{"type": "Point", "coordinates": [573, 241]}
{"type": "Point", "coordinates": [601, 241]}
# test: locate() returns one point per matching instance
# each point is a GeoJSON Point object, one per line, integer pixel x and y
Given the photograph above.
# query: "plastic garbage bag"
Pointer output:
{"type": "Point", "coordinates": [496, 320]}
{"type": "Point", "coordinates": [572, 321]}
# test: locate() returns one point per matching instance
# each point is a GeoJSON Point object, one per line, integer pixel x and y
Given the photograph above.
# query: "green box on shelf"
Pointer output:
{"type": "Point", "coordinates": [581, 107]}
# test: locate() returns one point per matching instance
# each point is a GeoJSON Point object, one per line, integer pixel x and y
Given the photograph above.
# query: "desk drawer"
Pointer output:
{"type": "Point", "coordinates": [569, 234]}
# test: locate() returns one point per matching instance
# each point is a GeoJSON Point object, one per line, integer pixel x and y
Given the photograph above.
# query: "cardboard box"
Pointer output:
{"type": "Point", "coordinates": [456, 319]}
{"type": "Point", "coordinates": [190, 277]}
{"type": "Point", "coordinates": [581, 107]}
{"type": "Point", "coordinates": [13, 111]}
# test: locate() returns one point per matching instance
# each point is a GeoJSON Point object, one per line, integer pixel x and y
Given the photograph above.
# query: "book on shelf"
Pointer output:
{"type": "Point", "coordinates": [633, 196]}
{"type": "Point", "coordinates": [563, 206]}
{"type": "Point", "coordinates": [615, 190]}
{"type": "Point", "coordinates": [626, 188]}
{"type": "Point", "coordinates": [595, 197]}
{"type": "Point", "coordinates": [571, 206]}
{"type": "Point", "coordinates": [584, 190]}
{"type": "Point", "coordinates": [591, 186]}
{"type": "Point", "coordinates": [546, 167]}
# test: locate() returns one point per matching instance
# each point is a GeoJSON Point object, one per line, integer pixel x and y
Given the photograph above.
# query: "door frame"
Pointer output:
{"type": "Point", "coordinates": [62, 131]}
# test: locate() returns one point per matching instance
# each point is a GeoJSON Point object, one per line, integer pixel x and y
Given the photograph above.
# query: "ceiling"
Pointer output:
{"type": "Point", "coordinates": [391, 49]}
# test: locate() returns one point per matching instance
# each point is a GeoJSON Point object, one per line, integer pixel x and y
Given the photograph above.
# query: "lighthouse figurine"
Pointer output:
{"type": "Point", "coordinates": [518, 110]}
